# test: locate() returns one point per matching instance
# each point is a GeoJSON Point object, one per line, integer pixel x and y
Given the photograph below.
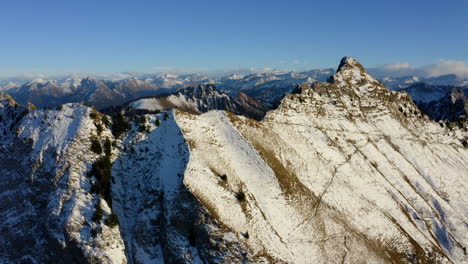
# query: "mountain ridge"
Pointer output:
{"type": "Point", "coordinates": [342, 171]}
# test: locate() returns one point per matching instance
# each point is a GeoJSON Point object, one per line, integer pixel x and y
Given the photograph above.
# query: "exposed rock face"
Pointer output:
{"type": "Point", "coordinates": [451, 107]}
{"type": "Point", "coordinates": [204, 98]}
{"type": "Point", "coordinates": [342, 172]}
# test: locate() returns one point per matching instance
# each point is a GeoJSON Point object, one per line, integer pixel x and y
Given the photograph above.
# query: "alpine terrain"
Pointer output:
{"type": "Point", "coordinates": [342, 171]}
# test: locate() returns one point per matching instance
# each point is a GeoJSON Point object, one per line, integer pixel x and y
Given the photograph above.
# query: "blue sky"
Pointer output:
{"type": "Point", "coordinates": [114, 36]}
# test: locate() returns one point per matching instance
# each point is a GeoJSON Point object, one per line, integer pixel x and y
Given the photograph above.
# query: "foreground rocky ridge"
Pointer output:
{"type": "Point", "coordinates": [344, 171]}
{"type": "Point", "coordinates": [47, 205]}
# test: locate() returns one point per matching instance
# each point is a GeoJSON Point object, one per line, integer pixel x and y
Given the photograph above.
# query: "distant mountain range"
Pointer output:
{"type": "Point", "coordinates": [267, 88]}
{"type": "Point", "coordinates": [397, 83]}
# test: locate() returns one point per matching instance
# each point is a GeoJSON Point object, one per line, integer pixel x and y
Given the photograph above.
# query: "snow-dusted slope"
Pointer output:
{"type": "Point", "coordinates": [46, 204]}
{"type": "Point", "coordinates": [337, 173]}
{"type": "Point", "coordinates": [160, 220]}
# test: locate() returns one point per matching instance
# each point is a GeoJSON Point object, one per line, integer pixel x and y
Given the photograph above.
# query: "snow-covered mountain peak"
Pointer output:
{"type": "Point", "coordinates": [348, 62]}
{"type": "Point", "coordinates": [351, 74]}
{"type": "Point", "coordinates": [235, 76]}
{"type": "Point", "coordinates": [168, 75]}
{"type": "Point", "coordinates": [332, 165]}
{"type": "Point", "coordinates": [39, 80]}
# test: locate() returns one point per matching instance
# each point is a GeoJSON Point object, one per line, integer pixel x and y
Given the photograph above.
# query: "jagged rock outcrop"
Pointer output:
{"type": "Point", "coordinates": [204, 98]}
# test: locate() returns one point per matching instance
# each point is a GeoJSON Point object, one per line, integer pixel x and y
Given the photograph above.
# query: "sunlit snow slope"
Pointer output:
{"type": "Point", "coordinates": [344, 171]}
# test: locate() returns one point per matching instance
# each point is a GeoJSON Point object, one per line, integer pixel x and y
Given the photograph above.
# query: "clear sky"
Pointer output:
{"type": "Point", "coordinates": [114, 36]}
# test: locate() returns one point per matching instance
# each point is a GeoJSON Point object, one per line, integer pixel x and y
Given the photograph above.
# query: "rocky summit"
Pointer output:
{"type": "Point", "coordinates": [343, 171]}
